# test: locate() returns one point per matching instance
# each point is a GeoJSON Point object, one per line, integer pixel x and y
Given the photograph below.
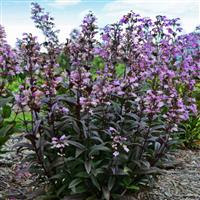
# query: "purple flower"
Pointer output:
{"type": "Point", "coordinates": [116, 153]}
{"type": "Point", "coordinates": [59, 143]}
{"type": "Point", "coordinates": [124, 20]}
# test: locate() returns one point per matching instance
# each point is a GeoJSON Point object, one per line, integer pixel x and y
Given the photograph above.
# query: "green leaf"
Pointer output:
{"type": "Point", "coordinates": [157, 146]}
{"type": "Point", "coordinates": [95, 182]}
{"type": "Point", "coordinates": [111, 182]}
{"type": "Point", "coordinates": [97, 148]}
{"type": "Point", "coordinates": [69, 100]}
{"type": "Point", "coordinates": [6, 112]}
{"type": "Point", "coordinates": [133, 187]}
{"type": "Point", "coordinates": [97, 139]}
{"type": "Point", "coordinates": [56, 176]}
{"type": "Point", "coordinates": [134, 116]}
{"type": "Point", "coordinates": [82, 175]}
{"type": "Point", "coordinates": [24, 145]}
{"type": "Point", "coordinates": [76, 144]}
{"type": "Point", "coordinates": [3, 140]}
{"type": "Point", "coordinates": [74, 183]}
{"type": "Point", "coordinates": [127, 181]}
{"type": "Point", "coordinates": [106, 193]}
{"type": "Point", "coordinates": [79, 152]}
{"type": "Point", "coordinates": [120, 69]}
{"type": "Point", "coordinates": [98, 171]}
{"type": "Point", "coordinates": [64, 62]}
{"type": "Point", "coordinates": [79, 189]}
{"type": "Point", "coordinates": [88, 166]}
{"type": "Point", "coordinates": [6, 130]}
{"type": "Point", "coordinates": [61, 189]}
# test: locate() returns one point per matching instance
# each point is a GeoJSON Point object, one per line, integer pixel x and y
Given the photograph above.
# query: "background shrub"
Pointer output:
{"type": "Point", "coordinates": [8, 69]}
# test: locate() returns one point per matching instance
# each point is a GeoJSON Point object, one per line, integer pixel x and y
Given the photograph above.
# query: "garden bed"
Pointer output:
{"type": "Point", "coordinates": [180, 182]}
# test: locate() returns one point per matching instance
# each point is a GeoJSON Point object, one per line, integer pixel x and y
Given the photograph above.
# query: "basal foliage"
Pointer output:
{"type": "Point", "coordinates": [103, 112]}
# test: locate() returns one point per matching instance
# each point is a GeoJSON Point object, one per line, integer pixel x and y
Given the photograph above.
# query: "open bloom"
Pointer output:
{"type": "Point", "coordinates": [59, 143]}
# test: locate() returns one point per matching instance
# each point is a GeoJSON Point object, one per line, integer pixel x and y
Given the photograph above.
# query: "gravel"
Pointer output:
{"type": "Point", "coordinates": [181, 183]}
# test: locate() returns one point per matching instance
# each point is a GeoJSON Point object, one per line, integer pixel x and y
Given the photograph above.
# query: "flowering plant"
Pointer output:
{"type": "Point", "coordinates": [8, 70]}
{"type": "Point", "coordinates": [103, 112]}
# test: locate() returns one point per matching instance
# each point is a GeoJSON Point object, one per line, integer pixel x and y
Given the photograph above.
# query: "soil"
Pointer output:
{"type": "Point", "coordinates": [179, 183]}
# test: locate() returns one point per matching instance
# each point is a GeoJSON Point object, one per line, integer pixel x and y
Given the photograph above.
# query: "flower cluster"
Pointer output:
{"type": "Point", "coordinates": [117, 142]}
{"type": "Point", "coordinates": [44, 22]}
{"type": "Point", "coordinates": [80, 48]}
{"type": "Point", "coordinates": [154, 102]}
{"type": "Point", "coordinates": [59, 142]}
{"type": "Point", "coordinates": [28, 53]}
{"type": "Point", "coordinates": [154, 54]}
{"type": "Point", "coordinates": [8, 58]}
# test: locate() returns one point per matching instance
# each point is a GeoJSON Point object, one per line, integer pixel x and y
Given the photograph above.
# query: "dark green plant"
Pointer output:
{"type": "Point", "coordinates": [190, 134]}
{"type": "Point", "coordinates": [8, 70]}
{"type": "Point", "coordinates": [6, 127]}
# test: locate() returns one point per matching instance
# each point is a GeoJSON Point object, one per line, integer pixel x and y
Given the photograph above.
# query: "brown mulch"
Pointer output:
{"type": "Point", "coordinates": [14, 177]}
{"type": "Point", "coordinates": [179, 183]}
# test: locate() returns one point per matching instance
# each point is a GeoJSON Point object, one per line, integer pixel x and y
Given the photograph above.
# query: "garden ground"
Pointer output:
{"type": "Point", "coordinates": [182, 182]}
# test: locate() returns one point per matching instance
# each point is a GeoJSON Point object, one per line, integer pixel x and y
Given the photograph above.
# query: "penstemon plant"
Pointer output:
{"type": "Point", "coordinates": [103, 112]}
{"type": "Point", "coordinates": [9, 68]}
